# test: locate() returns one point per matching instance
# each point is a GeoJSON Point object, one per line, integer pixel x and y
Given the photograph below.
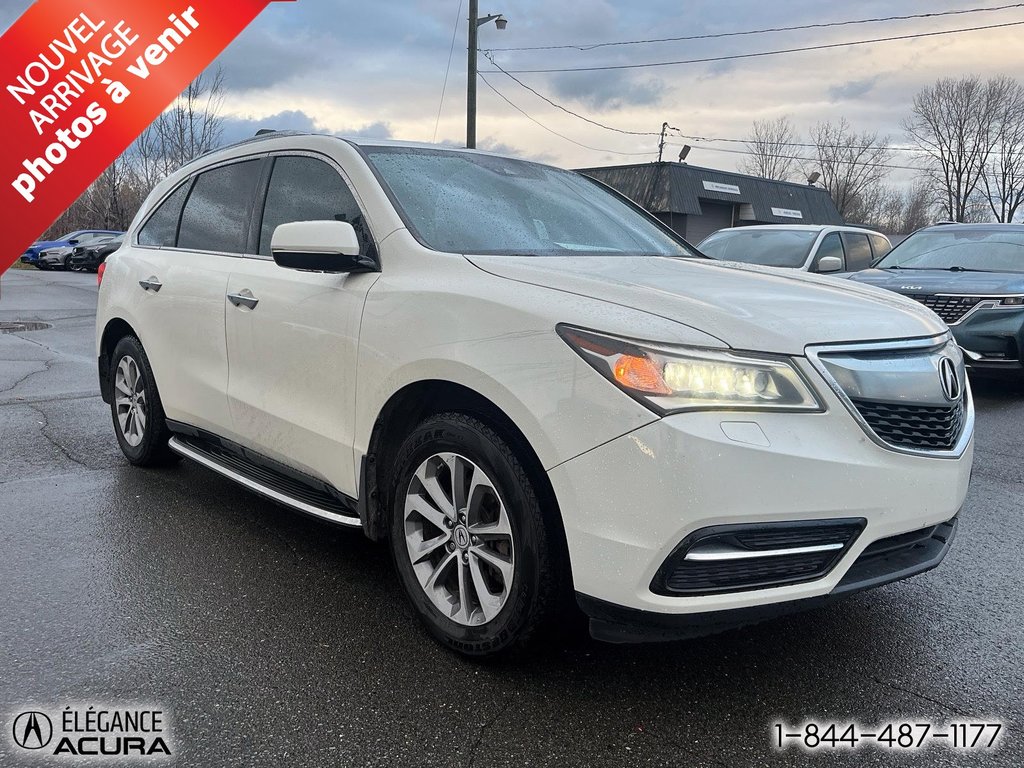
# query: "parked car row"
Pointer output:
{"type": "Point", "coordinates": [970, 275]}
{"type": "Point", "coordinates": [83, 249]}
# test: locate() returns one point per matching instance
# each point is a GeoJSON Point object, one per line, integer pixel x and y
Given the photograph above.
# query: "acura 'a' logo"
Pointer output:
{"type": "Point", "coordinates": [948, 379]}
{"type": "Point", "coordinates": [32, 730]}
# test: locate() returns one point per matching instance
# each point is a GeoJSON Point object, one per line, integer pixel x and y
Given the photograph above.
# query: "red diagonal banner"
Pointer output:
{"type": "Point", "coordinates": [80, 80]}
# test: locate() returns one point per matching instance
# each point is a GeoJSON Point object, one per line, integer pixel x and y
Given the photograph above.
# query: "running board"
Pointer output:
{"type": "Point", "coordinates": [275, 486]}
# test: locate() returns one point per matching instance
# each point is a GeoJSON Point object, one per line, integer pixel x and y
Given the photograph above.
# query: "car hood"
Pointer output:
{"type": "Point", "coordinates": [930, 281]}
{"type": "Point", "coordinates": [746, 306]}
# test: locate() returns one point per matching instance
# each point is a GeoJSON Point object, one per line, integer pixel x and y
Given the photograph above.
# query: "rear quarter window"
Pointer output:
{"type": "Point", "coordinates": [161, 230]}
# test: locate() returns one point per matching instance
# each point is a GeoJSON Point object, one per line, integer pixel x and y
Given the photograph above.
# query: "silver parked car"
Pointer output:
{"type": "Point", "coordinates": [799, 246]}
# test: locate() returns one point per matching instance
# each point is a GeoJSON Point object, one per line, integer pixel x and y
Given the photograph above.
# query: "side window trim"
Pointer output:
{"type": "Point", "coordinates": [264, 188]}
{"type": "Point", "coordinates": [190, 181]}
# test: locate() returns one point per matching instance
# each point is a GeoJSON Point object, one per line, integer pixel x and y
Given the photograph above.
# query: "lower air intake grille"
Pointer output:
{"type": "Point", "coordinates": [914, 426]}
{"type": "Point", "coordinates": [733, 558]}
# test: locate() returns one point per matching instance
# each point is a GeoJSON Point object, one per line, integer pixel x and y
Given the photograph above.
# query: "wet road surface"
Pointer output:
{"type": "Point", "coordinates": [273, 639]}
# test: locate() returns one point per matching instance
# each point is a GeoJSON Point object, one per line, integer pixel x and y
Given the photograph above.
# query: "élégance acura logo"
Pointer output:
{"type": "Point", "coordinates": [32, 730]}
{"type": "Point", "coordinates": [92, 731]}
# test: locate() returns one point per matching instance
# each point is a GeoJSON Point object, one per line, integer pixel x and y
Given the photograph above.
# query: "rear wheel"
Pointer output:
{"type": "Point", "coordinates": [469, 537]}
{"type": "Point", "coordinates": [135, 407]}
{"type": "Point", "coordinates": [67, 262]}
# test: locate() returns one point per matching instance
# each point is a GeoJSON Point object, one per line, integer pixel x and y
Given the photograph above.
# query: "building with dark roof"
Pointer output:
{"type": "Point", "coordinates": [697, 201]}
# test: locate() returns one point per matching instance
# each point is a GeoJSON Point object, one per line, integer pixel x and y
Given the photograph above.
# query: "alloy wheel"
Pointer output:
{"type": "Point", "coordinates": [130, 401]}
{"type": "Point", "coordinates": [459, 539]}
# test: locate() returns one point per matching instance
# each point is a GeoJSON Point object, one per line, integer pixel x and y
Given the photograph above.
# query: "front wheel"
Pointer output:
{"type": "Point", "coordinates": [135, 407]}
{"type": "Point", "coordinates": [469, 537]}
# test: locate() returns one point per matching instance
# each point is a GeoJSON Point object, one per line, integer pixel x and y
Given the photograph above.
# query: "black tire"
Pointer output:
{"type": "Point", "coordinates": [536, 582]}
{"type": "Point", "coordinates": [39, 265]}
{"type": "Point", "coordinates": [67, 263]}
{"type": "Point", "coordinates": [152, 450]}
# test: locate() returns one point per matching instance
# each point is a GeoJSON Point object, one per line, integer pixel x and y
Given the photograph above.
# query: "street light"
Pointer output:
{"type": "Point", "coordinates": [813, 178]}
{"type": "Point", "coordinates": [475, 21]}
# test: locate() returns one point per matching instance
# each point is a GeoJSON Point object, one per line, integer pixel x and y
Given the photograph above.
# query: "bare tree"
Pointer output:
{"type": "Point", "coordinates": [918, 208]}
{"type": "Point", "coordinates": [190, 127]}
{"type": "Point", "coordinates": [851, 164]}
{"type": "Point", "coordinates": [770, 150]}
{"type": "Point", "coordinates": [955, 124]}
{"type": "Point", "coordinates": [1003, 176]}
{"type": "Point", "coordinates": [897, 211]}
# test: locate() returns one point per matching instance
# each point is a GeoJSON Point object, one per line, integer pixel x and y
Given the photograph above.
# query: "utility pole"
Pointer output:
{"type": "Point", "coordinates": [661, 144]}
{"type": "Point", "coordinates": [475, 22]}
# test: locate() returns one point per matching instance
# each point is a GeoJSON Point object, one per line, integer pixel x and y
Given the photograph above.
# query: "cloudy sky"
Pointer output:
{"type": "Point", "coordinates": [377, 69]}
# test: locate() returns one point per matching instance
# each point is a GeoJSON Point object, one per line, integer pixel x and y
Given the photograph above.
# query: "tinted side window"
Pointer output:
{"type": "Point", "coordinates": [830, 246]}
{"type": "Point", "coordinates": [858, 251]}
{"type": "Point", "coordinates": [162, 227]}
{"type": "Point", "coordinates": [216, 215]}
{"type": "Point", "coordinates": [307, 189]}
{"type": "Point", "coordinates": [880, 246]}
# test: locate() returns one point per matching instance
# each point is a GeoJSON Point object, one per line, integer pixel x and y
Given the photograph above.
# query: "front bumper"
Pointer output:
{"type": "Point", "coordinates": [894, 559]}
{"type": "Point", "coordinates": [627, 504]}
{"type": "Point", "coordinates": [992, 340]}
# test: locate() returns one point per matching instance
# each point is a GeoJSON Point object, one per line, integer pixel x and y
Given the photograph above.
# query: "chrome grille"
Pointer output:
{"type": "Point", "coordinates": [950, 308]}
{"type": "Point", "coordinates": [914, 426]}
{"type": "Point", "coordinates": [899, 393]}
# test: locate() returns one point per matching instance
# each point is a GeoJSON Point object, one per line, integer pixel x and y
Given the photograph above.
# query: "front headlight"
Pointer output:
{"type": "Point", "coordinates": [670, 379]}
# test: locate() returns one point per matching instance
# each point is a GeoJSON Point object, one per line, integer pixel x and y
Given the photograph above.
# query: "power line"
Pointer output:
{"type": "Point", "coordinates": [566, 109]}
{"type": "Point", "coordinates": [447, 69]}
{"type": "Point", "coordinates": [679, 134]}
{"type": "Point", "coordinates": [523, 112]}
{"type": "Point", "coordinates": [815, 159]}
{"type": "Point", "coordinates": [849, 22]}
{"type": "Point", "coordinates": [757, 54]}
{"type": "Point", "coordinates": [803, 144]}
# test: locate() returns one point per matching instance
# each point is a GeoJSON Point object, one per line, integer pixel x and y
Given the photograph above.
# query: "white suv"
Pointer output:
{"type": "Point", "coordinates": [530, 389]}
{"type": "Point", "coordinates": [811, 248]}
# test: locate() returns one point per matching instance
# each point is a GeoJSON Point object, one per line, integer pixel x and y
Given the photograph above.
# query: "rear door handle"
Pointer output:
{"type": "Point", "coordinates": [243, 298]}
{"type": "Point", "coordinates": [151, 283]}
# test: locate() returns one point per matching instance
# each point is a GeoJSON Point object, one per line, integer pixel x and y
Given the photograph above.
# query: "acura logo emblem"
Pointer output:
{"type": "Point", "coordinates": [32, 730]}
{"type": "Point", "coordinates": [948, 379]}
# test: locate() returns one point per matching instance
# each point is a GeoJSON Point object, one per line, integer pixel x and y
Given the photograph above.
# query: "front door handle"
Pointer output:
{"type": "Point", "coordinates": [151, 283]}
{"type": "Point", "coordinates": [243, 298]}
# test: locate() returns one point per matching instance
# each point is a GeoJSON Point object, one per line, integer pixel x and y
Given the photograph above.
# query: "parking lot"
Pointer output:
{"type": "Point", "coordinates": [274, 639]}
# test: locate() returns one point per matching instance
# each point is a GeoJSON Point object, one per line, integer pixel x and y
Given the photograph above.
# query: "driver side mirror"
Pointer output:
{"type": "Point", "coordinates": [320, 246]}
{"type": "Point", "coordinates": [830, 264]}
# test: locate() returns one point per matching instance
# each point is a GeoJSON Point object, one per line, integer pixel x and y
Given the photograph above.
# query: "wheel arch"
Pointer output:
{"type": "Point", "coordinates": [115, 330]}
{"type": "Point", "coordinates": [408, 407]}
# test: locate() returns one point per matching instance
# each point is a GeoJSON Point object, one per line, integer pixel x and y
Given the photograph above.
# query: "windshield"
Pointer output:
{"type": "Point", "coordinates": [771, 248]}
{"type": "Point", "coordinates": [984, 250]}
{"type": "Point", "coordinates": [463, 202]}
{"type": "Point", "coordinates": [70, 235]}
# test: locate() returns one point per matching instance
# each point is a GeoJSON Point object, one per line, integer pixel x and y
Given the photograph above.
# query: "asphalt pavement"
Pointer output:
{"type": "Point", "coordinates": [273, 639]}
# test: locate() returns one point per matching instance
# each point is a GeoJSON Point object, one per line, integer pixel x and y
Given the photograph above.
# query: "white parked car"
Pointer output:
{"type": "Point", "coordinates": [530, 389]}
{"type": "Point", "coordinates": [811, 248]}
